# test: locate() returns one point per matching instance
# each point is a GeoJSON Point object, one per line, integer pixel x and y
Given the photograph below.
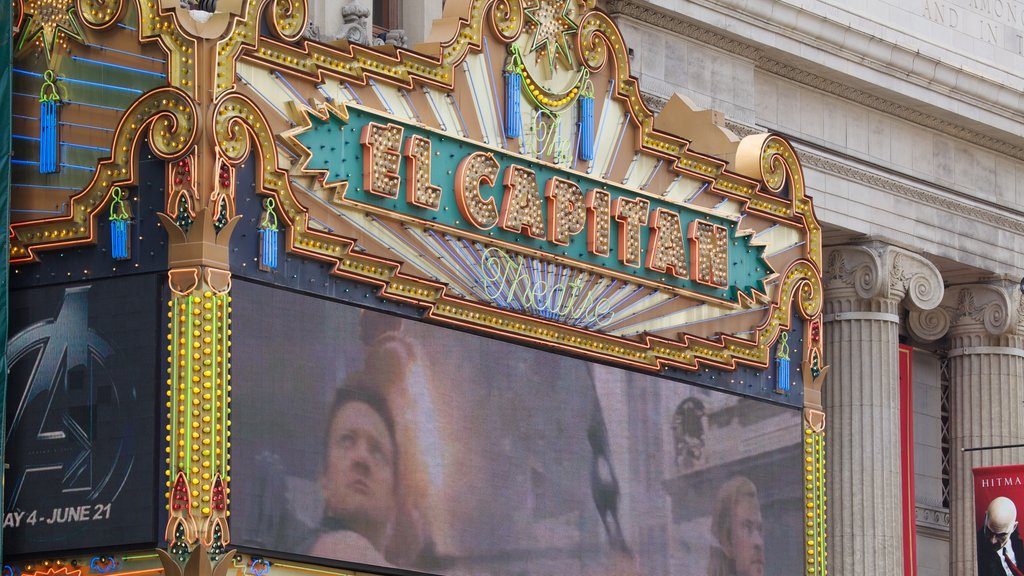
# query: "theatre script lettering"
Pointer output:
{"type": "Point", "coordinates": [510, 282]}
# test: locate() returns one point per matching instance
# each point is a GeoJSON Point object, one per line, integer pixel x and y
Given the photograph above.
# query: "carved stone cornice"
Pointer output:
{"type": "Point", "coordinates": [914, 193]}
{"type": "Point", "coordinates": [932, 518]}
{"type": "Point", "coordinates": [763, 61]}
{"type": "Point", "coordinates": [882, 182]}
{"type": "Point", "coordinates": [883, 276]}
{"type": "Point", "coordinates": [655, 103]}
{"type": "Point", "coordinates": [994, 312]}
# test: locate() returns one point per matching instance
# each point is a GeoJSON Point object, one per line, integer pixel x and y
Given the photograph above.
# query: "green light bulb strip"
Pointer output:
{"type": "Point", "coordinates": [198, 375]}
{"type": "Point", "coordinates": [814, 499]}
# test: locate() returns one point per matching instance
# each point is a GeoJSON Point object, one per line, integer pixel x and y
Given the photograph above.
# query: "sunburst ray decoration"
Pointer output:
{"type": "Point", "coordinates": [49, 20]}
{"type": "Point", "coordinates": [551, 27]}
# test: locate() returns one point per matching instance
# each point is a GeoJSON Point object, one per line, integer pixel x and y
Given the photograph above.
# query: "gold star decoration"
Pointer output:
{"type": "Point", "coordinates": [551, 26]}
{"type": "Point", "coordinates": [48, 20]}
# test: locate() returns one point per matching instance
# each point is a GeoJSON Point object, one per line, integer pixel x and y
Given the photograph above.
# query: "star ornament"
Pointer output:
{"type": "Point", "coordinates": [551, 26]}
{"type": "Point", "coordinates": [48, 20]}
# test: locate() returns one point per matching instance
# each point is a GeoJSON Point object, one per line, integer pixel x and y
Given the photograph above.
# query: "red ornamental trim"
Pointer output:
{"type": "Point", "coordinates": [181, 511]}
{"type": "Point", "coordinates": [907, 460]}
{"type": "Point", "coordinates": [218, 513]}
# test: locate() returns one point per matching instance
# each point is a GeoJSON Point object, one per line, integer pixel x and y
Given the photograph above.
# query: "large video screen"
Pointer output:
{"type": "Point", "coordinates": [364, 438]}
{"type": "Point", "coordinates": [81, 416]}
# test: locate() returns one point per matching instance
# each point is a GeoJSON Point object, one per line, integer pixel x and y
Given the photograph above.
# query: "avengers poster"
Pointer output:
{"type": "Point", "coordinates": [360, 438]}
{"type": "Point", "coordinates": [81, 418]}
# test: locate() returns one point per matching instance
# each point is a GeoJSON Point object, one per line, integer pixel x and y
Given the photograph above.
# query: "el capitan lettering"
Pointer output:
{"type": "Point", "coordinates": [522, 204]}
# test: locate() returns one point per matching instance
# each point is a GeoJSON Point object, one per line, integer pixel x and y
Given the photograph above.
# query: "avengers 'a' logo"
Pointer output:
{"type": "Point", "coordinates": [67, 441]}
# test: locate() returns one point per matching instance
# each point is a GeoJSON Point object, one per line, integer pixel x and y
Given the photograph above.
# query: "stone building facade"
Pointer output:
{"type": "Point", "coordinates": [909, 118]}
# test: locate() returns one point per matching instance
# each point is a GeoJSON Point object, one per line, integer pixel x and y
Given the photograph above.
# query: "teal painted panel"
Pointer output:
{"type": "Point", "coordinates": [335, 148]}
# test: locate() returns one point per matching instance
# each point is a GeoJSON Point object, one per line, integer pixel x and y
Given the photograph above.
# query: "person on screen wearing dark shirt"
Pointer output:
{"type": "Point", "coordinates": [1000, 551]}
{"type": "Point", "coordinates": [736, 524]}
{"type": "Point", "coordinates": [359, 478]}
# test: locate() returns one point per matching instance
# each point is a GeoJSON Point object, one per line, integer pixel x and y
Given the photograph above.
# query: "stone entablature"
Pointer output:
{"type": "Point", "coordinates": [842, 46]}
{"type": "Point", "coordinates": [929, 517]}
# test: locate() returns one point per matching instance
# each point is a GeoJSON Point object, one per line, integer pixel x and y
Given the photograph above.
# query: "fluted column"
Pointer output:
{"type": "Point", "coordinates": [985, 324]}
{"type": "Point", "coordinates": [865, 288]}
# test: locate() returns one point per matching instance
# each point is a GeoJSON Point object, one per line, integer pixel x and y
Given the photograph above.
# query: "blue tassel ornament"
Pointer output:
{"type": "Point", "coordinates": [513, 113]}
{"type": "Point", "coordinates": [120, 247]}
{"type": "Point", "coordinates": [587, 124]}
{"type": "Point", "coordinates": [268, 237]}
{"type": "Point", "coordinates": [49, 135]}
{"type": "Point", "coordinates": [782, 381]}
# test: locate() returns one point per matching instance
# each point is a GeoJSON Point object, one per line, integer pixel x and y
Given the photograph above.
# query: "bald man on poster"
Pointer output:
{"type": "Point", "coordinates": [1000, 551]}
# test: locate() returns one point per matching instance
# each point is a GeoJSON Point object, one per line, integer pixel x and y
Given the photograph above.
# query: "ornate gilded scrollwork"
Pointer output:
{"type": "Point", "coordinates": [593, 42]}
{"type": "Point", "coordinates": [598, 41]}
{"type": "Point", "coordinates": [800, 286]}
{"type": "Point", "coordinates": [771, 159]}
{"type": "Point", "coordinates": [507, 19]}
{"type": "Point", "coordinates": [243, 36]}
{"type": "Point", "coordinates": [168, 117]}
{"type": "Point", "coordinates": [287, 18]}
{"type": "Point", "coordinates": [156, 25]}
{"type": "Point", "coordinates": [235, 117]}
{"type": "Point", "coordinates": [239, 127]}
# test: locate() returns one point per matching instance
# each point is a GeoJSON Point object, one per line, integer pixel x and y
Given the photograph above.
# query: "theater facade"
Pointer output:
{"type": "Point", "coordinates": [281, 306]}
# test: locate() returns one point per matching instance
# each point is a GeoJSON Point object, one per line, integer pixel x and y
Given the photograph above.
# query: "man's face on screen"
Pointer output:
{"type": "Point", "coordinates": [747, 542]}
{"type": "Point", "coordinates": [359, 475]}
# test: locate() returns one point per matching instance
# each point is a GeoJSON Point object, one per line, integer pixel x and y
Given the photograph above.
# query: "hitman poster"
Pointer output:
{"type": "Point", "coordinates": [361, 438]}
{"type": "Point", "coordinates": [998, 501]}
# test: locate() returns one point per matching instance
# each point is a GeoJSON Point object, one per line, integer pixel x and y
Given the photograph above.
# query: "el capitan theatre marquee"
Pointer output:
{"type": "Point", "coordinates": [466, 308]}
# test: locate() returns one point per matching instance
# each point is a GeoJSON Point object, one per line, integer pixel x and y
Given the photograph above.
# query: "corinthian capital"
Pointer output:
{"type": "Point", "coordinates": [992, 309]}
{"type": "Point", "coordinates": [880, 272]}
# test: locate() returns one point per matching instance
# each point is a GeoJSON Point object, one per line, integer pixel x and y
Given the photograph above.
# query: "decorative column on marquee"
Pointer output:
{"type": "Point", "coordinates": [865, 286]}
{"type": "Point", "coordinates": [198, 378]}
{"type": "Point", "coordinates": [984, 325]}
